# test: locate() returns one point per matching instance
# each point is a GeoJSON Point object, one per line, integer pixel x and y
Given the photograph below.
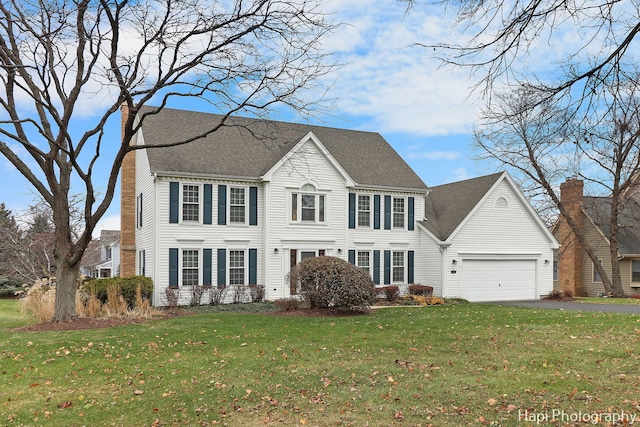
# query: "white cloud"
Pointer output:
{"type": "Point", "coordinates": [396, 86]}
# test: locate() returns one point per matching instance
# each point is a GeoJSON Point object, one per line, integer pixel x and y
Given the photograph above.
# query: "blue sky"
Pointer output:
{"type": "Point", "coordinates": [385, 85]}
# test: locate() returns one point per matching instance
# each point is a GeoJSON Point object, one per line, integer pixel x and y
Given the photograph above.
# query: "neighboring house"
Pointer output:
{"type": "Point", "coordinates": [575, 270]}
{"type": "Point", "coordinates": [248, 202]}
{"type": "Point", "coordinates": [102, 257]}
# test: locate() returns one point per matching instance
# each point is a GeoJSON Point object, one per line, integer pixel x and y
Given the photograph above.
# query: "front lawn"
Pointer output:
{"type": "Point", "coordinates": [451, 365]}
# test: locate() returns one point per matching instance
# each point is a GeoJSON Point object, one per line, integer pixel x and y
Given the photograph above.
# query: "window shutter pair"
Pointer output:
{"type": "Point", "coordinates": [207, 267]}
{"type": "Point", "coordinates": [174, 204]}
{"type": "Point", "coordinates": [387, 266]}
{"type": "Point", "coordinates": [222, 205]}
{"type": "Point", "coordinates": [376, 211]}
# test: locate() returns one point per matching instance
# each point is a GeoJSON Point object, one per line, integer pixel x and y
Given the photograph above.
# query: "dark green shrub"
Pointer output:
{"type": "Point", "coordinates": [326, 281]}
{"type": "Point", "coordinates": [128, 286]}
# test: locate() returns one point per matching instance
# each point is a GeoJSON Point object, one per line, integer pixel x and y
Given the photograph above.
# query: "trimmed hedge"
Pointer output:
{"type": "Point", "coordinates": [128, 287]}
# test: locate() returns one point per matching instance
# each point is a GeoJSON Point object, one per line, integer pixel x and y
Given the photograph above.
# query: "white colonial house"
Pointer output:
{"type": "Point", "coordinates": [244, 204]}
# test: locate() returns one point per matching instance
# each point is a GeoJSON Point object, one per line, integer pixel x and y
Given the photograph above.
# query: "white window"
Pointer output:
{"type": "Point", "coordinates": [397, 265]}
{"type": "Point", "coordinates": [190, 267]}
{"type": "Point", "coordinates": [364, 211]}
{"type": "Point", "coordinates": [236, 268]}
{"type": "Point", "coordinates": [237, 205]}
{"type": "Point", "coordinates": [398, 212]}
{"type": "Point", "coordinates": [363, 261]}
{"type": "Point", "coordinates": [308, 206]}
{"type": "Point", "coordinates": [190, 202]}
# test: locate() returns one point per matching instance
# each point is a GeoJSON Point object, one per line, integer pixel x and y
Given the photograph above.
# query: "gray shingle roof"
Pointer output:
{"type": "Point", "coordinates": [248, 148]}
{"type": "Point", "coordinates": [599, 210]}
{"type": "Point", "coordinates": [449, 204]}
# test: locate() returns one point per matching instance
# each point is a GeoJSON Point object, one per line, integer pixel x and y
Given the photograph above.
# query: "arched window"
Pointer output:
{"type": "Point", "coordinates": [308, 205]}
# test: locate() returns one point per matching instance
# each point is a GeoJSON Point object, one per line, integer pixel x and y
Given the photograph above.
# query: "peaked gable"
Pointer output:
{"type": "Point", "coordinates": [446, 206]}
{"type": "Point", "coordinates": [249, 148]}
{"type": "Point", "coordinates": [449, 206]}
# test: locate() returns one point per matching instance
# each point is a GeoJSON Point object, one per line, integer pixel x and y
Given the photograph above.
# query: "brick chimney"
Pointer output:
{"type": "Point", "coordinates": [127, 207]}
{"type": "Point", "coordinates": [570, 254]}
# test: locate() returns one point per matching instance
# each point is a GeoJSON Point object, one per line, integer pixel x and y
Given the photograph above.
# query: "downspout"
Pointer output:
{"type": "Point", "coordinates": [443, 246]}
{"type": "Point", "coordinates": [156, 244]}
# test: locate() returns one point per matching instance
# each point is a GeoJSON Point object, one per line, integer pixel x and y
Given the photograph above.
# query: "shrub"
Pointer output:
{"type": "Point", "coordinates": [424, 290]}
{"type": "Point", "coordinates": [333, 282]}
{"type": "Point", "coordinates": [217, 294]}
{"type": "Point", "coordinates": [256, 292]}
{"type": "Point", "coordinates": [391, 293]}
{"type": "Point", "coordinates": [128, 286]}
{"type": "Point", "coordinates": [239, 293]}
{"type": "Point", "coordinates": [196, 292]}
{"type": "Point", "coordinates": [427, 300]}
{"type": "Point", "coordinates": [172, 295]}
{"type": "Point", "coordinates": [288, 304]}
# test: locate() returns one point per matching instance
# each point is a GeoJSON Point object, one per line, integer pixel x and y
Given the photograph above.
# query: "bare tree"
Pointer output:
{"type": "Point", "coordinates": [59, 59]}
{"type": "Point", "coordinates": [498, 36]}
{"type": "Point", "coordinates": [542, 143]}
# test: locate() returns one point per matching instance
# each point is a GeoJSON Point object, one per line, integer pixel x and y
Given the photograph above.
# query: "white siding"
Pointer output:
{"type": "Point", "coordinates": [494, 232]}
{"type": "Point", "coordinates": [199, 236]}
{"type": "Point", "coordinates": [429, 263]}
{"type": "Point", "coordinates": [145, 235]}
{"type": "Point", "coordinates": [308, 166]}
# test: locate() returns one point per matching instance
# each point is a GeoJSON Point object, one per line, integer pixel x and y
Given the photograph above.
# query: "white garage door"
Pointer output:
{"type": "Point", "coordinates": [498, 280]}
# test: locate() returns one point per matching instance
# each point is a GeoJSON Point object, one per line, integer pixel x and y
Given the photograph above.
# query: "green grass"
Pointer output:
{"type": "Point", "coordinates": [453, 365]}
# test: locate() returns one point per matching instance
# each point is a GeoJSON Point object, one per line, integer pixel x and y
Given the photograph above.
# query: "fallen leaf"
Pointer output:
{"type": "Point", "coordinates": [398, 415]}
{"type": "Point", "coordinates": [492, 402]}
{"type": "Point", "coordinates": [64, 405]}
{"type": "Point", "coordinates": [138, 392]}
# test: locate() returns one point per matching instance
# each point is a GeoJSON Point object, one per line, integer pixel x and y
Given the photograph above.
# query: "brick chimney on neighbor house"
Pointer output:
{"type": "Point", "coordinates": [127, 207]}
{"type": "Point", "coordinates": [570, 253]}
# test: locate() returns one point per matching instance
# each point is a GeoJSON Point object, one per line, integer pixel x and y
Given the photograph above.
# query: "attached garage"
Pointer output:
{"type": "Point", "coordinates": [498, 280]}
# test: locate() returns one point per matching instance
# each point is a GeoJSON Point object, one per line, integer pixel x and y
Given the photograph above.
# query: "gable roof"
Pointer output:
{"type": "Point", "coordinates": [248, 148]}
{"type": "Point", "coordinates": [598, 209]}
{"type": "Point", "coordinates": [449, 204]}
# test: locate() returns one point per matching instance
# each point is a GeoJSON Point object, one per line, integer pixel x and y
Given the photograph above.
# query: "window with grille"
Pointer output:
{"type": "Point", "coordinates": [398, 212]}
{"type": "Point", "coordinates": [236, 268]}
{"type": "Point", "coordinates": [237, 205]}
{"type": "Point", "coordinates": [398, 267]}
{"type": "Point", "coordinates": [190, 267]}
{"type": "Point", "coordinates": [364, 211]}
{"type": "Point", "coordinates": [363, 261]}
{"type": "Point", "coordinates": [190, 202]}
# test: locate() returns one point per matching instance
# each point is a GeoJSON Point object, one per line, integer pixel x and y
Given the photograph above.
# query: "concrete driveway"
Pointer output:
{"type": "Point", "coordinates": [570, 305]}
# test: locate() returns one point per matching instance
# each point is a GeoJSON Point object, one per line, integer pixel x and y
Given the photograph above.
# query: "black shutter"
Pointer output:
{"type": "Point", "coordinates": [376, 267]}
{"type": "Point", "coordinates": [174, 202]}
{"type": "Point", "coordinates": [352, 256]}
{"type": "Point", "coordinates": [222, 268]}
{"type": "Point", "coordinates": [207, 255]}
{"type": "Point", "coordinates": [207, 217]}
{"type": "Point", "coordinates": [376, 212]}
{"type": "Point", "coordinates": [387, 212]}
{"type": "Point", "coordinates": [173, 267]}
{"type": "Point", "coordinates": [411, 225]}
{"type": "Point", "coordinates": [352, 210]}
{"type": "Point", "coordinates": [410, 260]}
{"type": "Point", "coordinates": [222, 204]}
{"type": "Point", "coordinates": [253, 206]}
{"type": "Point", "coordinates": [387, 267]}
{"type": "Point", "coordinates": [253, 266]}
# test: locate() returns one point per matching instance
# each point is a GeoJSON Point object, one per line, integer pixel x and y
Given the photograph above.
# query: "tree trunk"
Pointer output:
{"type": "Point", "coordinates": [66, 287]}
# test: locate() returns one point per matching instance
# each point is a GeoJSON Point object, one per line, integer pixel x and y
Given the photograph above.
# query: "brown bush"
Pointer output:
{"type": "Point", "coordinates": [333, 282]}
